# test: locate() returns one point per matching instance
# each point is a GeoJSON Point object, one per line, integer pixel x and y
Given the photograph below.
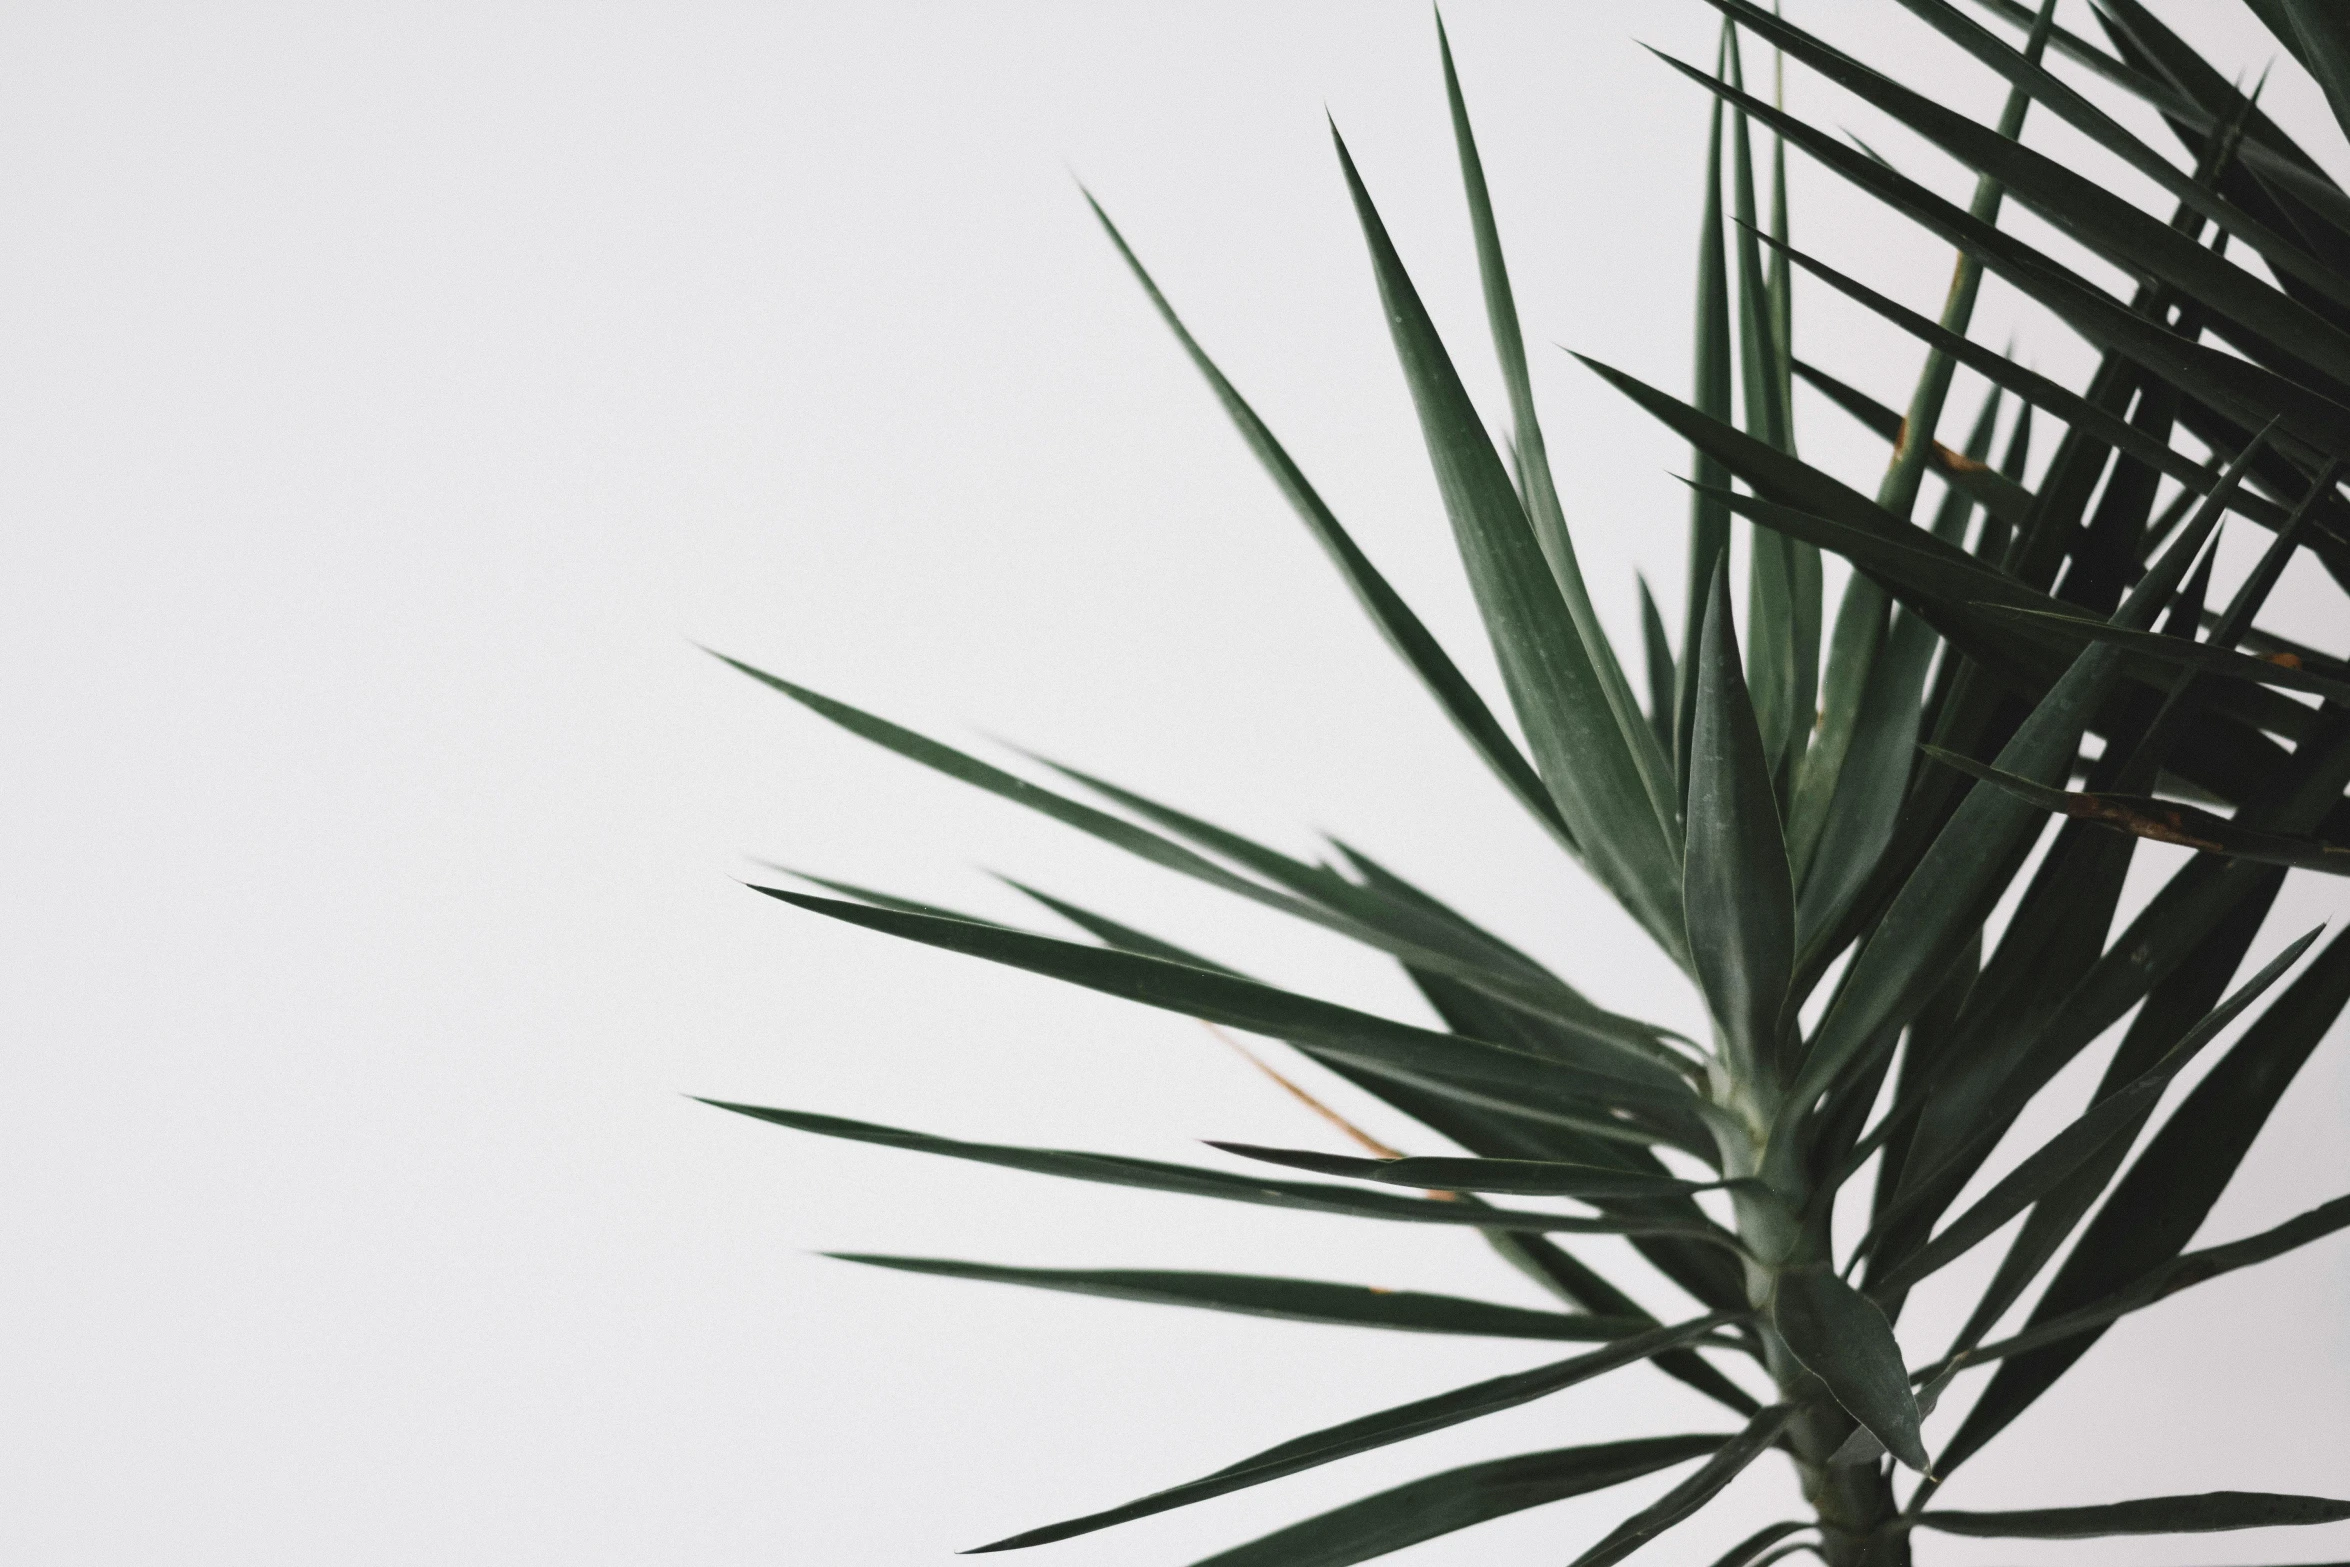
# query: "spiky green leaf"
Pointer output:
{"type": "Point", "coordinates": [1457, 1499]}
{"type": "Point", "coordinates": [1289, 1300]}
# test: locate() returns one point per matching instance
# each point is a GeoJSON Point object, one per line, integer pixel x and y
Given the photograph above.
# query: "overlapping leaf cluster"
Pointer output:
{"type": "Point", "coordinates": [1815, 817]}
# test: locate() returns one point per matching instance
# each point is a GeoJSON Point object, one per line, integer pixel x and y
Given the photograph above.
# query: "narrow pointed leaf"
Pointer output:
{"type": "Point", "coordinates": [1874, 779]}
{"type": "Point", "coordinates": [2202, 657]}
{"type": "Point", "coordinates": [2175, 1182]}
{"type": "Point", "coordinates": [2205, 1513]}
{"type": "Point", "coordinates": [2324, 49]}
{"type": "Point", "coordinates": [1843, 1339]}
{"type": "Point", "coordinates": [1190, 1181]}
{"type": "Point", "coordinates": [1952, 890]}
{"type": "Point", "coordinates": [1112, 933]}
{"type": "Point", "coordinates": [2171, 1008]}
{"type": "Point", "coordinates": [1398, 1424]}
{"type": "Point", "coordinates": [1683, 1500]}
{"type": "Point", "coordinates": [965, 768]}
{"type": "Point", "coordinates": [1538, 490]}
{"type": "Point", "coordinates": [1290, 1300]}
{"type": "Point", "coordinates": [1494, 1131]}
{"type": "Point", "coordinates": [2180, 1273]}
{"type": "Point", "coordinates": [1396, 622]}
{"type": "Point", "coordinates": [2243, 391]}
{"type": "Point", "coordinates": [1969, 476]}
{"type": "Point", "coordinates": [1739, 895]}
{"type": "Point", "coordinates": [2049, 396]}
{"type": "Point", "coordinates": [1520, 1177]}
{"type": "Point", "coordinates": [1744, 1553]}
{"type": "Point", "coordinates": [1429, 938]}
{"type": "Point", "coordinates": [2086, 209]}
{"type": "Point", "coordinates": [1458, 1498]}
{"type": "Point", "coordinates": [1661, 670]}
{"type": "Point", "coordinates": [1629, 838]}
{"type": "Point", "coordinates": [879, 900]}
{"type": "Point", "coordinates": [1474, 1070]}
{"type": "Point", "coordinates": [2280, 163]}
{"type": "Point", "coordinates": [1709, 519]}
{"type": "Point", "coordinates": [2059, 1155]}
{"type": "Point", "coordinates": [2163, 821]}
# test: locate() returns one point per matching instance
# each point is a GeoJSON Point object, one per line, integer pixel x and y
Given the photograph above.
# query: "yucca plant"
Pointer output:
{"type": "Point", "coordinates": [2037, 644]}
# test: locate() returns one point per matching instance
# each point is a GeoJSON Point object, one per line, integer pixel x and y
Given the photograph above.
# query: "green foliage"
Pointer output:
{"type": "Point", "coordinates": [1819, 826]}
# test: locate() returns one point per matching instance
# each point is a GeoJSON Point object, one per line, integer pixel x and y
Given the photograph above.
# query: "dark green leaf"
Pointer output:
{"type": "Point", "coordinates": [2205, 1513]}
{"type": "Point", "coordinates": [1458, 1498]}
{"type": "Point", "coordinates": [1739, 897]}
{"type": "Point", "coordinates": [1959, 878]}
{"type": "Point", "coordinates": [2051, 396]}
{"type": "Point", "coordinates": [880, 900]}
{"type": "Point", "coordinates": [1099, 824]}
{"type": "Point", "coordinates": [1974, 480]}
{"type": "Point", "coordinates": [2164, 821]}
{"type": "Point", "coordinates": [1709, 519]}
{"type": "Point", "coordinates": [1378, 1430]}
{"type": "Point", "coordinates": [1629, 835]}
{"type": "Point", "coordinates": [2172, 1187]}
{"type": "Point", "coordinates": [1395, 620]}
{"type": "Point", "coordinates": [2061, 1154]}
{"type": "Point", "coordinates": [1661, 670]}
{"type": "Point", "coordinates": [1539, 492]}
{"type": "Point", "coordinates": [1683, 1500]}
{"type": "Point", "coordinates": [2196, 899]}
{"type": "Point", "coordinates": [2246, 392]}
{"type": "Point", "coordinates": [1791, 482]}
{"type": "Point", "coordinates": [1746, 1550]}
{"type": "Point", "coordinates": [1113, 934]}
{"type": "Point", "coordinates": [1709, 1274]}
{"type": "Point", "coordinates": [2180, 1273]}
{"type": "Point", "coordinates": [2172, 1007]}
{"type": "Point", "coordinates": [2087, 210]}
{"type": "Point", "coordinates": [1844, 1340]}
{"type": "Point", "coordinates": [2279, 161]}
{"type": "Point", "coordinates": [2324, 49]}
{"type": "Point", "coordinates": [1874, 778]}
{"type": "Point", "coordinates": [1291, 1300]}
{"type": "Point", "coordinates": [1190, 1181]}
{"type": "Point", "coordinates": [1519, 1177]}
{"type": "Point", "coordinates": [1428, 937]}
{"type": "Point", "coordinates": [2203, 658]}
{"type": "Point", "coordinates": [1472, 1070]}
{"type": "Point", "coordinates": [2042, 183]}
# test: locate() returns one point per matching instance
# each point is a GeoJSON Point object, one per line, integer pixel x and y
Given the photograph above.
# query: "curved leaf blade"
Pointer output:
{"type": "Point", "coordinates": [1843, 1339]}
{"type": "Point", "coordinates": [2173, 1185]}
{"type": "Point", "coordinates": [1518, 1080]}
{"type": "Point", "coordinates": [2203, 1513]}
{"type": "Point", "coordinates": [1738, 893]}
{"type": "Point", "coordinates": [1629, 835]}
{"type": "Point", "coordinates": [1683, 1501]}
{"type": "Point", "coordinates": [1457, 1499]}
{"type": "Point", "coordinates": [1536, 486]}
{"type": "Point", "coordinates": [2056, 1158]}
{"type": "Point", "coordinates": [1404, 631]}
{"type": "Point", "coordinates": [1517, 1177]}
{"type": "Point", "coordinates": [2180, 1273]}
{"type": "Point", "coordinates": [2202, 657]}
{"type": "Point", "coordinates": [2162, 821]}
{"type": "Point", "coordinates": [1287, 1300]}
{"type": "Point", "coordinates": [1361, 1435]}
{"type": "Point", "coordinates": [1190, 1181]}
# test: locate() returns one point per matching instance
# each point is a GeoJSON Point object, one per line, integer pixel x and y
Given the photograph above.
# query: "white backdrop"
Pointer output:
{"type": "Point", "coordinates": [395, 394]}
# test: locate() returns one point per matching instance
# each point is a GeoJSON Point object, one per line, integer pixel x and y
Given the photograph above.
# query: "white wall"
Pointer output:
{"type": "Point", "coordinates": [395, 394]}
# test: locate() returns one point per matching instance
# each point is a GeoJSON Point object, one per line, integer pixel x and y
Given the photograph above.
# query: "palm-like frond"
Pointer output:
{"type": "Point", "coordinates": [1816, 819]}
